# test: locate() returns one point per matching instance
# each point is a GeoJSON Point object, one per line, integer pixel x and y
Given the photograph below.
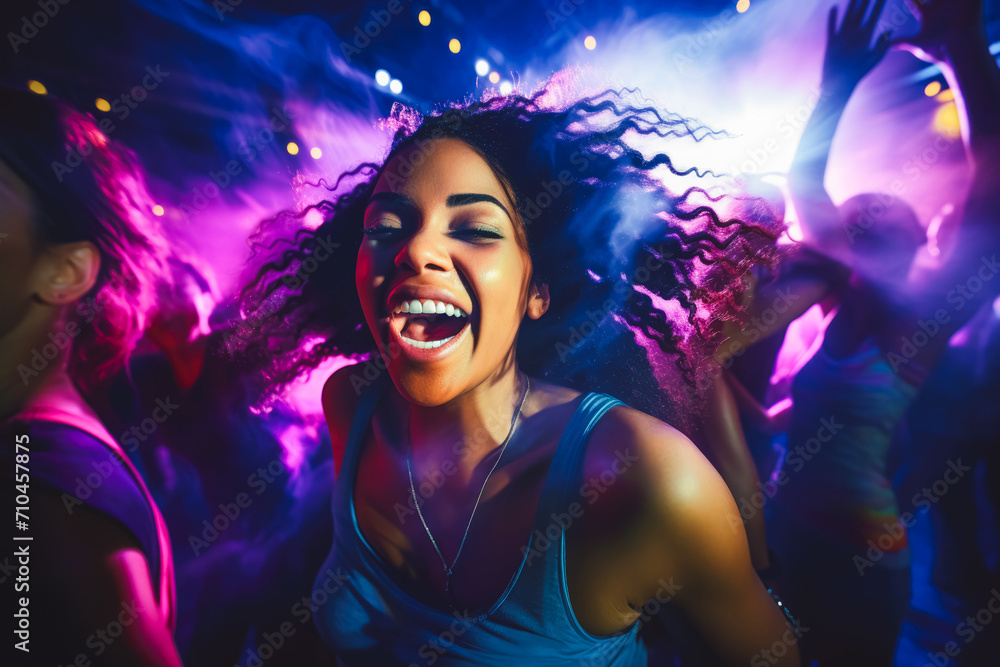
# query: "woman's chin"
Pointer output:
{"type": "Point", "coordinates": [423, 388]}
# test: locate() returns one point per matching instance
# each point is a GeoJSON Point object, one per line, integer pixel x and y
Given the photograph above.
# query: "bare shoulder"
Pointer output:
{"type": "Point", "coordinates": [341, 393]}
{"type": "Point", "coordinates": [666, 484]}
{"type": "Point", "coordinates": [667, 461]}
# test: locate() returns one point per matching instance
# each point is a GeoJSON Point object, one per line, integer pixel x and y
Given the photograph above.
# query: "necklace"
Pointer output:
{"type": "Point", "coordinates": [448, 571]}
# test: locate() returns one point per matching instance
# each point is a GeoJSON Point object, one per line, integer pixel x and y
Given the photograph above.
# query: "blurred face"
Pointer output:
{"type": "Point", "coordinates": [883, 239]}
{"type": "Point", "coordinates": [18, 249]}
{"type": "Point", "coordinates": [443, 273]}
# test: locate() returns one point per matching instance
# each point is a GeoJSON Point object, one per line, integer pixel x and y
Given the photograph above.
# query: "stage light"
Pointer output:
{"type": "Point", "coordinates": [506, 87]}
{"type": "Point", "coordinates": [946, 121]}
{"type": "Point", "coordinates": [157, 210]}
{"type": "Point", "coordinates": [396, 86]}
{"type": "Point", "coordinates": [102, 104]}
{"type": "Point", "coordinates": [482, 67]}
{"type": "Point", "coordinates": [932, 88]}
{"type": "Point", "coordinates": [424, 17]}
{"type": "Point", "coordinates": [454, 45]}
{"type": "Point", "coordinates": [946, 96]}
{"type": "Point", "coordinates": [382, 77]}
{"type": "Point", "coordinates": [37, 87]}
{"type": "Point", "coordinates": [742, 6]}
{"type": "Point", "coordinates": [590, 43]}
{"type": "Point", "coordinates": [292, 148]}
{"type": "Point", "coordinates": [315, 152]}
{"type": "Point", "coordinates": [494, 77]}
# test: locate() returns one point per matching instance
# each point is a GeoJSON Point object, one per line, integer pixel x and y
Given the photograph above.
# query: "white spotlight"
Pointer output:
{"type": "Point", "coordinates": [482, 67]}
{"type": "Point", "coordinates": [506, 87]}
{"type": "Point", "coordinates": [382, 77]}
{"type": "Point", "coordinates": [396, 86]}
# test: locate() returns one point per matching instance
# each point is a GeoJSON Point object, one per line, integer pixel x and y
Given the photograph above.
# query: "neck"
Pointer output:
{"type": "Point", "coordinates": [30, 358]}
{"type": "Point", "coordinates": [471, 426]}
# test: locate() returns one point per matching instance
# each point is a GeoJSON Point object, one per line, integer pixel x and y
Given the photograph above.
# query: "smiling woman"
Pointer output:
{"type": "Point", "coordinates": [512, 393]}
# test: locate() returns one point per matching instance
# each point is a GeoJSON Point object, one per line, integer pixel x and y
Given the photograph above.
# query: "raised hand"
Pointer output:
{"type": "Point", "coordinates": [942, 23]}
{"type": "Point", "coordinates": [850, 54]}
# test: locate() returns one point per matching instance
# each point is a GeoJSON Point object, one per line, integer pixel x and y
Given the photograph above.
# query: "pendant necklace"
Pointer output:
{"type": "Point", "coordinates": [448, 569]}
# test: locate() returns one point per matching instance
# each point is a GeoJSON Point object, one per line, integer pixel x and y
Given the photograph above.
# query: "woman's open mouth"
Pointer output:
{"type": "Point", "coordinates": [428, 328]}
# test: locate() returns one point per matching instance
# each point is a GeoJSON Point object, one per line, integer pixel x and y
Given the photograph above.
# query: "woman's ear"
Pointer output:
{"type": "Point", "coordinates": [67, 271]}
{"type": "Point", "coordinates": [538, 302]}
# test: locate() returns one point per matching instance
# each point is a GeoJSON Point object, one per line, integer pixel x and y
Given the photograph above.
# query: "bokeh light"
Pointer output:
{"type": "Point", "coordinates": [482, 67]}
{"type": "Point", "coordinates": [316, 152]}
{"type": "Point", "coordinates": [158, 210]}
{"type": "Point", "coordinates": [37, 87]}
{"type": "Point", "coordinates": [946, 121]}
{"type": "Point", "coordinates": [424, 17]}
{"type": "Point", "coordinates": [454, 45]}
{"type": "Point", "coordinates": [946, 95]}
{"type": "Point", "coordinates": [932, 88]}
{"type": "Point", "coordinates": [494, 77]}
{"type": "Point", "coordinates": [102, 104]}
{"type": "Point", "coordinates": [590, 43]}
{"type": "Point", "coordinates": [396, 86]}
{"type": "Point", "coordinates": [506, 87]}
{"type": "Point", "coordinates": [292, 148]}
{"type": "Point", "coordinates": [742, 6]}
{"type": "Point", "coordinates": [382, 77]}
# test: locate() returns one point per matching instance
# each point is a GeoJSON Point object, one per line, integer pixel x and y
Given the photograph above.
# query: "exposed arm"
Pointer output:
{"type": "Point", "coordinates": [684, 541]}
{"type": "Point", "coordinates": [702, 541]}
{"type": "Point", "coordinates": [95, 575]}
{"type": "Point", "coordinates": [340, 400]}
{"type": "Point", "coordinates": [773, 420]}
{"type": "Point", "coordinates": [803, 279]}
{"type": "Point", "coordinates": [849, 58]}
{"type": "Point", "coordinates": [724, 443]}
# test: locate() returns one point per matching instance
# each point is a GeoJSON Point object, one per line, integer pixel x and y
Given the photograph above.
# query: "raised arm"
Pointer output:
{"type": "Point", "coordinates": [954, 36]}
{"type": "Point", "coordinates": [850, 55]}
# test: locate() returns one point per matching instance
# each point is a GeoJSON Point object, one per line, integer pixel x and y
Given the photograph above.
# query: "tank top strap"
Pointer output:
{"type": "Point", "coordinates": [370, 396]}
{"type": "Point", "coordinates": [564, 470]}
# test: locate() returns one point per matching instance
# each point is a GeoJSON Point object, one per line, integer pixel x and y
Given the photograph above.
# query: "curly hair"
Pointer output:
{"type": "Point", "coordinates": [636, 273]}
{"type": "Point", "coordinates": [85, 187]}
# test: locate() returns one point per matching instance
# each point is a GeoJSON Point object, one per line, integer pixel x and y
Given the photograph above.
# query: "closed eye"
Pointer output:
{"type": "Point", "coordinates": [381, 229]}
{"type": "Point", "coordinates": [479, 232]}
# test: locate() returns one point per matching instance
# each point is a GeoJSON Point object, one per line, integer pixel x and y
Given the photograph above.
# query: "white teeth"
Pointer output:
{"type": "Point", "coordinates": [425, 344]}
{"type": "Point", "coordinates": [429, 306]}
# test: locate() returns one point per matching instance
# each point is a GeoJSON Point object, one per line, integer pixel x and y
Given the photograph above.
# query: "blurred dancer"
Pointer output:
{"type": "Point", "coordinates": [843, 546]}
{"type": "Point", "coordinates": [80, 253]}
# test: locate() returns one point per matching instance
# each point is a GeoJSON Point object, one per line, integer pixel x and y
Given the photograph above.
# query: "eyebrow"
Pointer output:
{"type": "Point", "coordinates": [453, 201]}
{"type": "Point", "coordinates": [472, 198]}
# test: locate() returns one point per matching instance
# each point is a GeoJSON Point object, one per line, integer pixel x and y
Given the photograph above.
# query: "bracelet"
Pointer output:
{"type": "Point", "coordinates": [788, 615]}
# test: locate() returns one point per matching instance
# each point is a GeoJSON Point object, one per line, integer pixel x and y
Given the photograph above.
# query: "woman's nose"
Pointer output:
{"type": "Point", "coordinates": [423, 251]}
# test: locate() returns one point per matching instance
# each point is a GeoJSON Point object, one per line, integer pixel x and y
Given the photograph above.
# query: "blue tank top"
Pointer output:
{"type": "Point", "coordinates": [369, 620]}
